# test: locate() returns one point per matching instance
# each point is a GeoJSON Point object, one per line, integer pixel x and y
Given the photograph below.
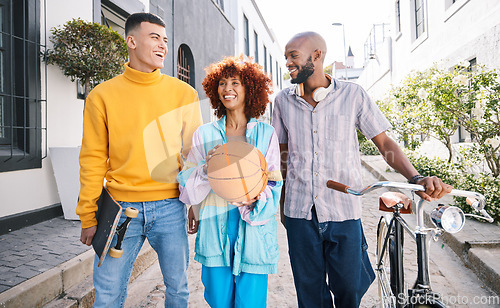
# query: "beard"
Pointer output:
{"type": "Point", "coordinates": [304, 72]}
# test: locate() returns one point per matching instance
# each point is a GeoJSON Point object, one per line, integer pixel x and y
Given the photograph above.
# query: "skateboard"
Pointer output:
{"type": "Point", "coordinates": [108, 215]}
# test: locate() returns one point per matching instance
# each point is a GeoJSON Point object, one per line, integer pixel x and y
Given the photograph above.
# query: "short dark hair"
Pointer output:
{"type": "Point", "coordinates": [135, 20]}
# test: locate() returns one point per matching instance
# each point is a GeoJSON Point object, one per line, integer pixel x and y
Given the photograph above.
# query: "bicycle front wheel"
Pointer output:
{"type": "Point", "coordinates": [385, 266]}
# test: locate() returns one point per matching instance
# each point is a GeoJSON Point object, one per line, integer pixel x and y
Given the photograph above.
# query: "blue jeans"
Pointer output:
{"type": "Point", "coordinates": [336, 250]}
{"type": "Point", "coordinates": [164, 224]}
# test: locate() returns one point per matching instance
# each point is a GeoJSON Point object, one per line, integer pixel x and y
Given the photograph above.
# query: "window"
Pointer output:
{"type": "Point", "coordinates": [113, 20]}
{"type": "Point", "coordinates": [185, 65]}
{"type": "Point", "coordinates": [256, 36]}
{"type": "Point", "coordinates": [246, 35]}
{"type": "Point", "coordinates": [397, 23]}
{"type": "Point", "coordinates": [281, 79]}
{"type": "Point", "coordinates": [277, 75]}
{"type": "Point", "coordinates": [419, 18]}
{"type": "Point", "coordinates": [220, 3]}
{"type": "Point", "coordinates": [271, 66]}
{"type": "Point", "coordinates": [418, 23]}
{"type": "Point", "coordinates": [265, 59]}
{"type": "Point", "coordinates": [20, 85]}
{"type": "Point", "coordinates": [452, 7]}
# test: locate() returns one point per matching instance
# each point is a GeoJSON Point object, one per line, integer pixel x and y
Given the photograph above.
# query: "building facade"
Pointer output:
{"type": "Point", "coordinates": [40, 109]}
{"type": "Point", "coordinates": [254, 39]}
{"type": "Point", "coordinates": [423, 33]}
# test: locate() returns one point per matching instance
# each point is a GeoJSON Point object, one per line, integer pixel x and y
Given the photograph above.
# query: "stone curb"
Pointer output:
{"type": "Point", "coordinates": [64, 282]}
{"type": "Point", "coordinates": [42, 288]}
{"type": "Point", "coordinates": [482, 258]}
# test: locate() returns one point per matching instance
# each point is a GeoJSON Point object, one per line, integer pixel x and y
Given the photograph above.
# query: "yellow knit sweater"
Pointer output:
{"type": "Point", "coordinates": [137, 130]}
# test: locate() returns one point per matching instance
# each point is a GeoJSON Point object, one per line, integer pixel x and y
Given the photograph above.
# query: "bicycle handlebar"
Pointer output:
{"type": "Point", "coordinates": [474, 199]}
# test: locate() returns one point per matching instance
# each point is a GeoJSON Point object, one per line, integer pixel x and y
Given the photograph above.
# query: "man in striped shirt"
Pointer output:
{"type": "Point", "coordinates": [316, 121]}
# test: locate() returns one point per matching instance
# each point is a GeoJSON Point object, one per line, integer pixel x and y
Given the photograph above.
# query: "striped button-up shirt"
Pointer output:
{"type": "Point", "coordinates": [322, 145]}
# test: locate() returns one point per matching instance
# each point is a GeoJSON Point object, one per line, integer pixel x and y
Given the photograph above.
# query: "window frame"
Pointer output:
{"type": "Point", "coordinates": [256, 38]}
{"type": "Point", "coordinates": [265, 58]}
{"type": "Point", "coordinates": [185, 65]}
{"type": "Point", "coordinates": [397, 18]}
{"type": "Point", "coordinates": [451, 7]}
{"type": "Point", "coordinates": [417, 40]}
{"type": "Point", "coordinates": [24, 130]}
{"type": "Point", "coordinates": [246, 35]}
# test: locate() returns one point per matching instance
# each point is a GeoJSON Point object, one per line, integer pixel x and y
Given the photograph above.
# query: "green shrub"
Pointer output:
{"type": "Point", "coordinates": [366, 146]}
{"type": "Point", "coordinates": [454, 174]}
{"type": "Point", "coordinates": [486, 185]}
{"type": "Point", "coordinates": [87, 51]}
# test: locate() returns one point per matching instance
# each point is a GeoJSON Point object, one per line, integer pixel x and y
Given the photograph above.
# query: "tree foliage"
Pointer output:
{"type": "Point", "coordinates": [87, 51]}
{"type": "Point", "coordinates": [435, 102]}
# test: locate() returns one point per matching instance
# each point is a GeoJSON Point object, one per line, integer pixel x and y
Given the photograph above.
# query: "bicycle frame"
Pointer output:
{"type": "Point", "coordinates": [396, 225]}
{"type": "Point", "coordinates": [422, 286]}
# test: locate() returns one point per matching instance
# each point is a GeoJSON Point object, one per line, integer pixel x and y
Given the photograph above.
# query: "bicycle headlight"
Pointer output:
{"type": "Point", "coordinates": [449, 218]}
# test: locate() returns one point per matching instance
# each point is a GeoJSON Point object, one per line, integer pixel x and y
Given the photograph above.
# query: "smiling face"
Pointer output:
{"type": "Point", "coordinates": [232, 93]}
{"type": "Point", "coordinates": [303, 53]}
{"type": "Point", "coordinates": [147, 47]}
{"type": "Point", "coordinates": [298, 62]}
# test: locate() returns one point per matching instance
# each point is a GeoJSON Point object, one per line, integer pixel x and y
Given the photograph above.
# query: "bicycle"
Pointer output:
{"type": "Point", "coordinates": [390, 240]}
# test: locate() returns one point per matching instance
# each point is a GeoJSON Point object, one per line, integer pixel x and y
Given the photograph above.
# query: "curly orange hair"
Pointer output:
{"type": "Point", "coordinates": [257, 85]}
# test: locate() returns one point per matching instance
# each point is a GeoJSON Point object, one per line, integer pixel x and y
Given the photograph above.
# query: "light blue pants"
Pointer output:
{"type": "Point", "coordinates": [223, 289]}
{"type": "Point", "coordinates": [164, 224]}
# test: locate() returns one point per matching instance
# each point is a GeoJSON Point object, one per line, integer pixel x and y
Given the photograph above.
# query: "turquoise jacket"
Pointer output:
{"type": "Point", "coordinates": [256, 247]}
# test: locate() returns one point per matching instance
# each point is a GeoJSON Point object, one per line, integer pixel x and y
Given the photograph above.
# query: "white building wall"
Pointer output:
{"type": "Point", "coordinates": [455, 32]}
{"type": "Point", "coordinates": [463, 31]}
{"type": "Point", "coordinates": [266, 38]}
{"type": "Point", "coordinates": [32, 189]}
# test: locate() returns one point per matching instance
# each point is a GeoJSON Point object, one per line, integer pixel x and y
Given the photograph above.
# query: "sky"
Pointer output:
{"type": "Point", "coordinates": [288, 17]}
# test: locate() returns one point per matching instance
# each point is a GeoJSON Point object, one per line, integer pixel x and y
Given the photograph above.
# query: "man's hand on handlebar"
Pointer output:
{"type": "Point", "coordinates": [434, 188]}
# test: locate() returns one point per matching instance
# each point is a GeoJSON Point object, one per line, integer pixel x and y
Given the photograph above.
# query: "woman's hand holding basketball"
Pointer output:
{"type": "Point", "coordinates": [209, 155]}
{"type": "Point", "coordinates": [243, 203]}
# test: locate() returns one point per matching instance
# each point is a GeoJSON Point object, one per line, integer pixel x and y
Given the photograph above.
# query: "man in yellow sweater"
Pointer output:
{"type": "Point", "coordinates": [137, 130]}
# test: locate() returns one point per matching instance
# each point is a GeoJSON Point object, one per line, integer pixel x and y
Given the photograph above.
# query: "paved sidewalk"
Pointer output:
{"type": "Point", "coordinates": [31, 251]}
{"type": "Point", "coordinates": [45, 260]}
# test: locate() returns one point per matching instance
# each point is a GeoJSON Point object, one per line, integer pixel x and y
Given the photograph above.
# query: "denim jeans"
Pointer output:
{"type": "Point", "coordinates": [164, 224]}
{"type": "Point", "coordinates": [336, 250]}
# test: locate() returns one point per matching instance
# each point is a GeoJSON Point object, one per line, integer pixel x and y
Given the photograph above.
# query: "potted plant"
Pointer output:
{"type": "Point", "coordinates": [88, 53]}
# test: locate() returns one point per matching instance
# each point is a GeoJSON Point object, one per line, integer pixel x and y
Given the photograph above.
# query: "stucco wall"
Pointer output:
{"type": "Point", "coordinates": [197, 23]}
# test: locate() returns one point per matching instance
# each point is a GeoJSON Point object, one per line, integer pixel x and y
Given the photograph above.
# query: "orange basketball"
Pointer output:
{"type": "Point", "coordinates": [237, 171]}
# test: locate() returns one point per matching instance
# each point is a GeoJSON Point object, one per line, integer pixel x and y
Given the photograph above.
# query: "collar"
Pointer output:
{"type": "Point", "coordinates": [141, 77]}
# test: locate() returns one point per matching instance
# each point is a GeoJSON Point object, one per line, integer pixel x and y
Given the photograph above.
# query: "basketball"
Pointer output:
{"type": "Point", "coordinates": [237, 171]}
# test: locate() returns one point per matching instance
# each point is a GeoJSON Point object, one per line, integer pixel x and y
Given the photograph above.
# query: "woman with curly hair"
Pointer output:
{"type": "Point", "coordinates": [236, 243]}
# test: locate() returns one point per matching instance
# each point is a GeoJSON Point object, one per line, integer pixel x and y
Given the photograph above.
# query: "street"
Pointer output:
{"type": "Point", "coordinates": [459, 287]}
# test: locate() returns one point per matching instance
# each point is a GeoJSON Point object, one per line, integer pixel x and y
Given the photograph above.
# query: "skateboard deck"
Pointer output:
{"type": "Point", "coordinates": [108, 215]}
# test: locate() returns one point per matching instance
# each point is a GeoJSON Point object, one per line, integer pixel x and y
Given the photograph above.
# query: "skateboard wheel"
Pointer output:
{"type": "Point", "coordinates": [131, 212]}
{"type": "Point", "coordinates": [115, 253]}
